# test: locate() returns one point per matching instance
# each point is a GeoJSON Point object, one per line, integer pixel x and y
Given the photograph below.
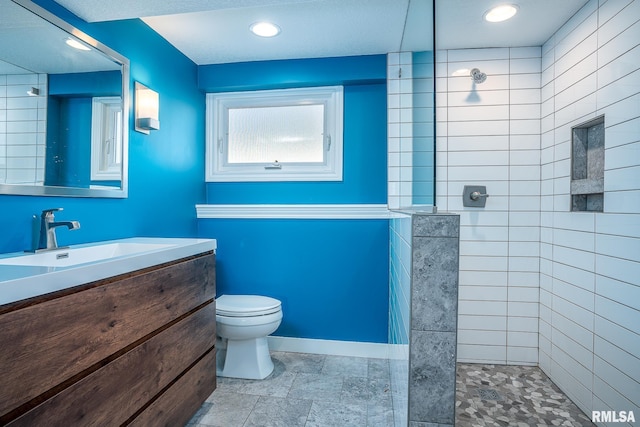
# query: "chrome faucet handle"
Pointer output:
{"type": "Point", "coordinates": [48, 212]}
{"type": "Point", "coordinates": [52, 210]}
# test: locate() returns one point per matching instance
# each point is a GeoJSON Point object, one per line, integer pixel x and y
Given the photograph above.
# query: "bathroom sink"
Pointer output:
{"type": "Point", "coordinates": [26, 275]}
{"type": "Point", "coordinates": [81, 255]}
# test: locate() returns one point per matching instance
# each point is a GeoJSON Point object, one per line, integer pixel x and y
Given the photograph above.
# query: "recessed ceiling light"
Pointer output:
{"type": "Point", "coordinates": [76, 44]}
{"type": "Point", "coordinates": [501, 13]}
{"type": "Point", "coordinates": [265, 29]}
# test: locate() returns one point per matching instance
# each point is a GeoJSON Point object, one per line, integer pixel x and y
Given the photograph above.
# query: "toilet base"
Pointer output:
{"type": "Point", "coordinates": [248, 359]}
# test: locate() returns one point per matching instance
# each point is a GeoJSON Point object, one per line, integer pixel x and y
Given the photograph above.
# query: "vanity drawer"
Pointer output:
{"type": "Point", "coordinates": [184, 398]}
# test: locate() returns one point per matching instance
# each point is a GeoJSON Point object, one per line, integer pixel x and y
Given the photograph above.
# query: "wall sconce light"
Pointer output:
{"type": "Point", "coordinates": [34, 91]}
{"type": "Point", "coordinates": [147, 109]}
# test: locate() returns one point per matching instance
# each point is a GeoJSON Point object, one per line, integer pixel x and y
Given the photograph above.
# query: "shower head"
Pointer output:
{"type": "Point", "coordinates": [478, 76]}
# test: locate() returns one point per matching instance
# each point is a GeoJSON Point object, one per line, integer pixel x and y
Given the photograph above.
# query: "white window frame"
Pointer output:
{"type": "Point", "coordinates": [106, 136]}
{"type": "Point", "coordinates": [218, 104]}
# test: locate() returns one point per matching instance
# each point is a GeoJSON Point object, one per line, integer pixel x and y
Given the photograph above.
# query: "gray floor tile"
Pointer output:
{"type": "Point", "coordinates": [299, 362]}
{"type": "Point", "coordinates": [331, 414]}
{"type": "Point", "coordinates": [356, 389]}
{"type": "Point", "coordinates": [366, 390]}
{"type": "Point", "coordinates": [346, 366]}
{"type": "Point", "coordinates": [277, 384]}
{"type": "Point", "coordinates": [378, 368]}
{"type": "Point", "coordinates": [227, 409]}
{"type": "Point", "coordinates": [278, 412]}
{"type": "Point", "coordinates": [316, 387]}
{"type": "Point", "coordinates": [380, 415]}
{"type": "Point", "coordinates": [230, 384]}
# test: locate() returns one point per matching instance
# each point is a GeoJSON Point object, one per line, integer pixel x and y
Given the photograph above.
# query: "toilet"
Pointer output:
{"type": "Point", "coordinates": [242, 325]}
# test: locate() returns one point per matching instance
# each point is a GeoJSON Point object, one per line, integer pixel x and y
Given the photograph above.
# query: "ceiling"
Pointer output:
{"type": "Point", "coordinates": [216, 31]}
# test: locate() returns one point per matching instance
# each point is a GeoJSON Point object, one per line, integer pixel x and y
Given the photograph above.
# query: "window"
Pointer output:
{"type": "Point", "coordinates": [106, 143]}
{"type": "Point", "coordinates": [275, 135]}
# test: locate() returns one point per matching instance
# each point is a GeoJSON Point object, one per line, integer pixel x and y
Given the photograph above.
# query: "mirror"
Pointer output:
{"type": "Point", "coordinates": [63, 108]}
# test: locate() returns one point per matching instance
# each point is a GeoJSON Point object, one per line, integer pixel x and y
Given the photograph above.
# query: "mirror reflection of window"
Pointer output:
{"type": "Point", "coordinates": [106, 138]}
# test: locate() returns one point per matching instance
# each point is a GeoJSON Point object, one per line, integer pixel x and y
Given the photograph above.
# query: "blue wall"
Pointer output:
{"type": "Point", "coordinates": [166, 168]}
{"type": "Point", "coordinates": [331, 275]}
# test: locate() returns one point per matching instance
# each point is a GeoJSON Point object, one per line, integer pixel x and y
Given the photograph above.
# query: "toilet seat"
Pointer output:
{"type": "Point", "coordinates": [246, 305]}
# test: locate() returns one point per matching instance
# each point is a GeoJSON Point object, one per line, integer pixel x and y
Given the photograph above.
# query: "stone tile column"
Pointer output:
{"type": "Point", "coordinates": [434, 320]}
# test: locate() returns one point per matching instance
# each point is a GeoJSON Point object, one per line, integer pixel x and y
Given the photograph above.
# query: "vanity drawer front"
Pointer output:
{"type": "Point", "coordinates": [56, 342]}
{"type": "Point", "coordinates": [178, 404]}
{"type": "Point", "coordinates": [115, 393]}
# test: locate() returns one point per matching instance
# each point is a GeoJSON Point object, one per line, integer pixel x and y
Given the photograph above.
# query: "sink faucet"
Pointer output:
{"type": "Point", "coordinates": [48, 227]}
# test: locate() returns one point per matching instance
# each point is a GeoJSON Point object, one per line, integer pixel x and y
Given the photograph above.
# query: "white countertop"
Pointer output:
{"type": "Point", "coordinates": [18, 282]}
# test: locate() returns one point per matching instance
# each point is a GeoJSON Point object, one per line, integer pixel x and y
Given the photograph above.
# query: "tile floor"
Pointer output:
{"type": "Point", "coordinates": [310, 390]}
{"type": "Point", "coordinates": [304, 390]}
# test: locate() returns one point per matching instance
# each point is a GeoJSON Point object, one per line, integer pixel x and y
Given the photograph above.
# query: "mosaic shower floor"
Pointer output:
{"type": "Point", "coordinates": [312, 390]}
{"type": "Point", "coordinates": [522, 396]}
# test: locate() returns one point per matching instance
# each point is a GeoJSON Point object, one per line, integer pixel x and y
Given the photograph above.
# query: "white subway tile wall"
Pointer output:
{"type": "Point", "coordinates": [539, 283]}
{"type": "Point", "coordinates": [590, 287]}
{"type": "Point", "coordinates": [22, 128]}
{"type": "Point", "coordinates": [492, 138]}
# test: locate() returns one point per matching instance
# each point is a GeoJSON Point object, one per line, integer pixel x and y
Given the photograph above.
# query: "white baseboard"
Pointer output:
{"type": "Point", "coordinates": [329, 347]}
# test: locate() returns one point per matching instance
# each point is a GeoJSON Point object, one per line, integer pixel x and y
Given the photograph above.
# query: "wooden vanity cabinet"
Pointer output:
{"type": "Point", "coordinates": [135, 349]}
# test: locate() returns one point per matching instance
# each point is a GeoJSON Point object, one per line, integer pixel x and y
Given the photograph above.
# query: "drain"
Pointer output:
{"type": "Point", "coordinates": [488, 394]}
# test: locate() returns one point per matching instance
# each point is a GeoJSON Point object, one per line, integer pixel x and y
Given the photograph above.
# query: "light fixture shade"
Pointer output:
{"type": "Point", "coordinates": [147, 109]}
{"type": "Point", "coordinates": [148, 123]}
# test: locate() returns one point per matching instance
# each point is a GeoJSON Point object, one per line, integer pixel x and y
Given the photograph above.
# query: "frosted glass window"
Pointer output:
{"type": "Point", "coordinates": [106, 143]}
{"type": "Point", "coordinates": [275, 135]}
{"type": "Point", "coordinates": [290, 134]}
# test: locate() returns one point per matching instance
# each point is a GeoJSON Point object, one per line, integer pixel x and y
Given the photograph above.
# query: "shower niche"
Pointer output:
{"type": "Point", "coordinates": [587, 166]}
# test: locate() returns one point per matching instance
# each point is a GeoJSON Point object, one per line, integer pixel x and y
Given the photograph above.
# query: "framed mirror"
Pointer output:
{"type": "Point", "coordinates": [64, 108]}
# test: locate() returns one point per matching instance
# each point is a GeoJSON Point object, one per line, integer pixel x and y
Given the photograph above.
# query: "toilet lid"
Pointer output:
{"type": "Point", "coordinates": [246, 305]}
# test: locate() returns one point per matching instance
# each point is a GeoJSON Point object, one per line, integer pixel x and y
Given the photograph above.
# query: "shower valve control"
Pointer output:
{"type": "Point", "coordinates": [474, 196]}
